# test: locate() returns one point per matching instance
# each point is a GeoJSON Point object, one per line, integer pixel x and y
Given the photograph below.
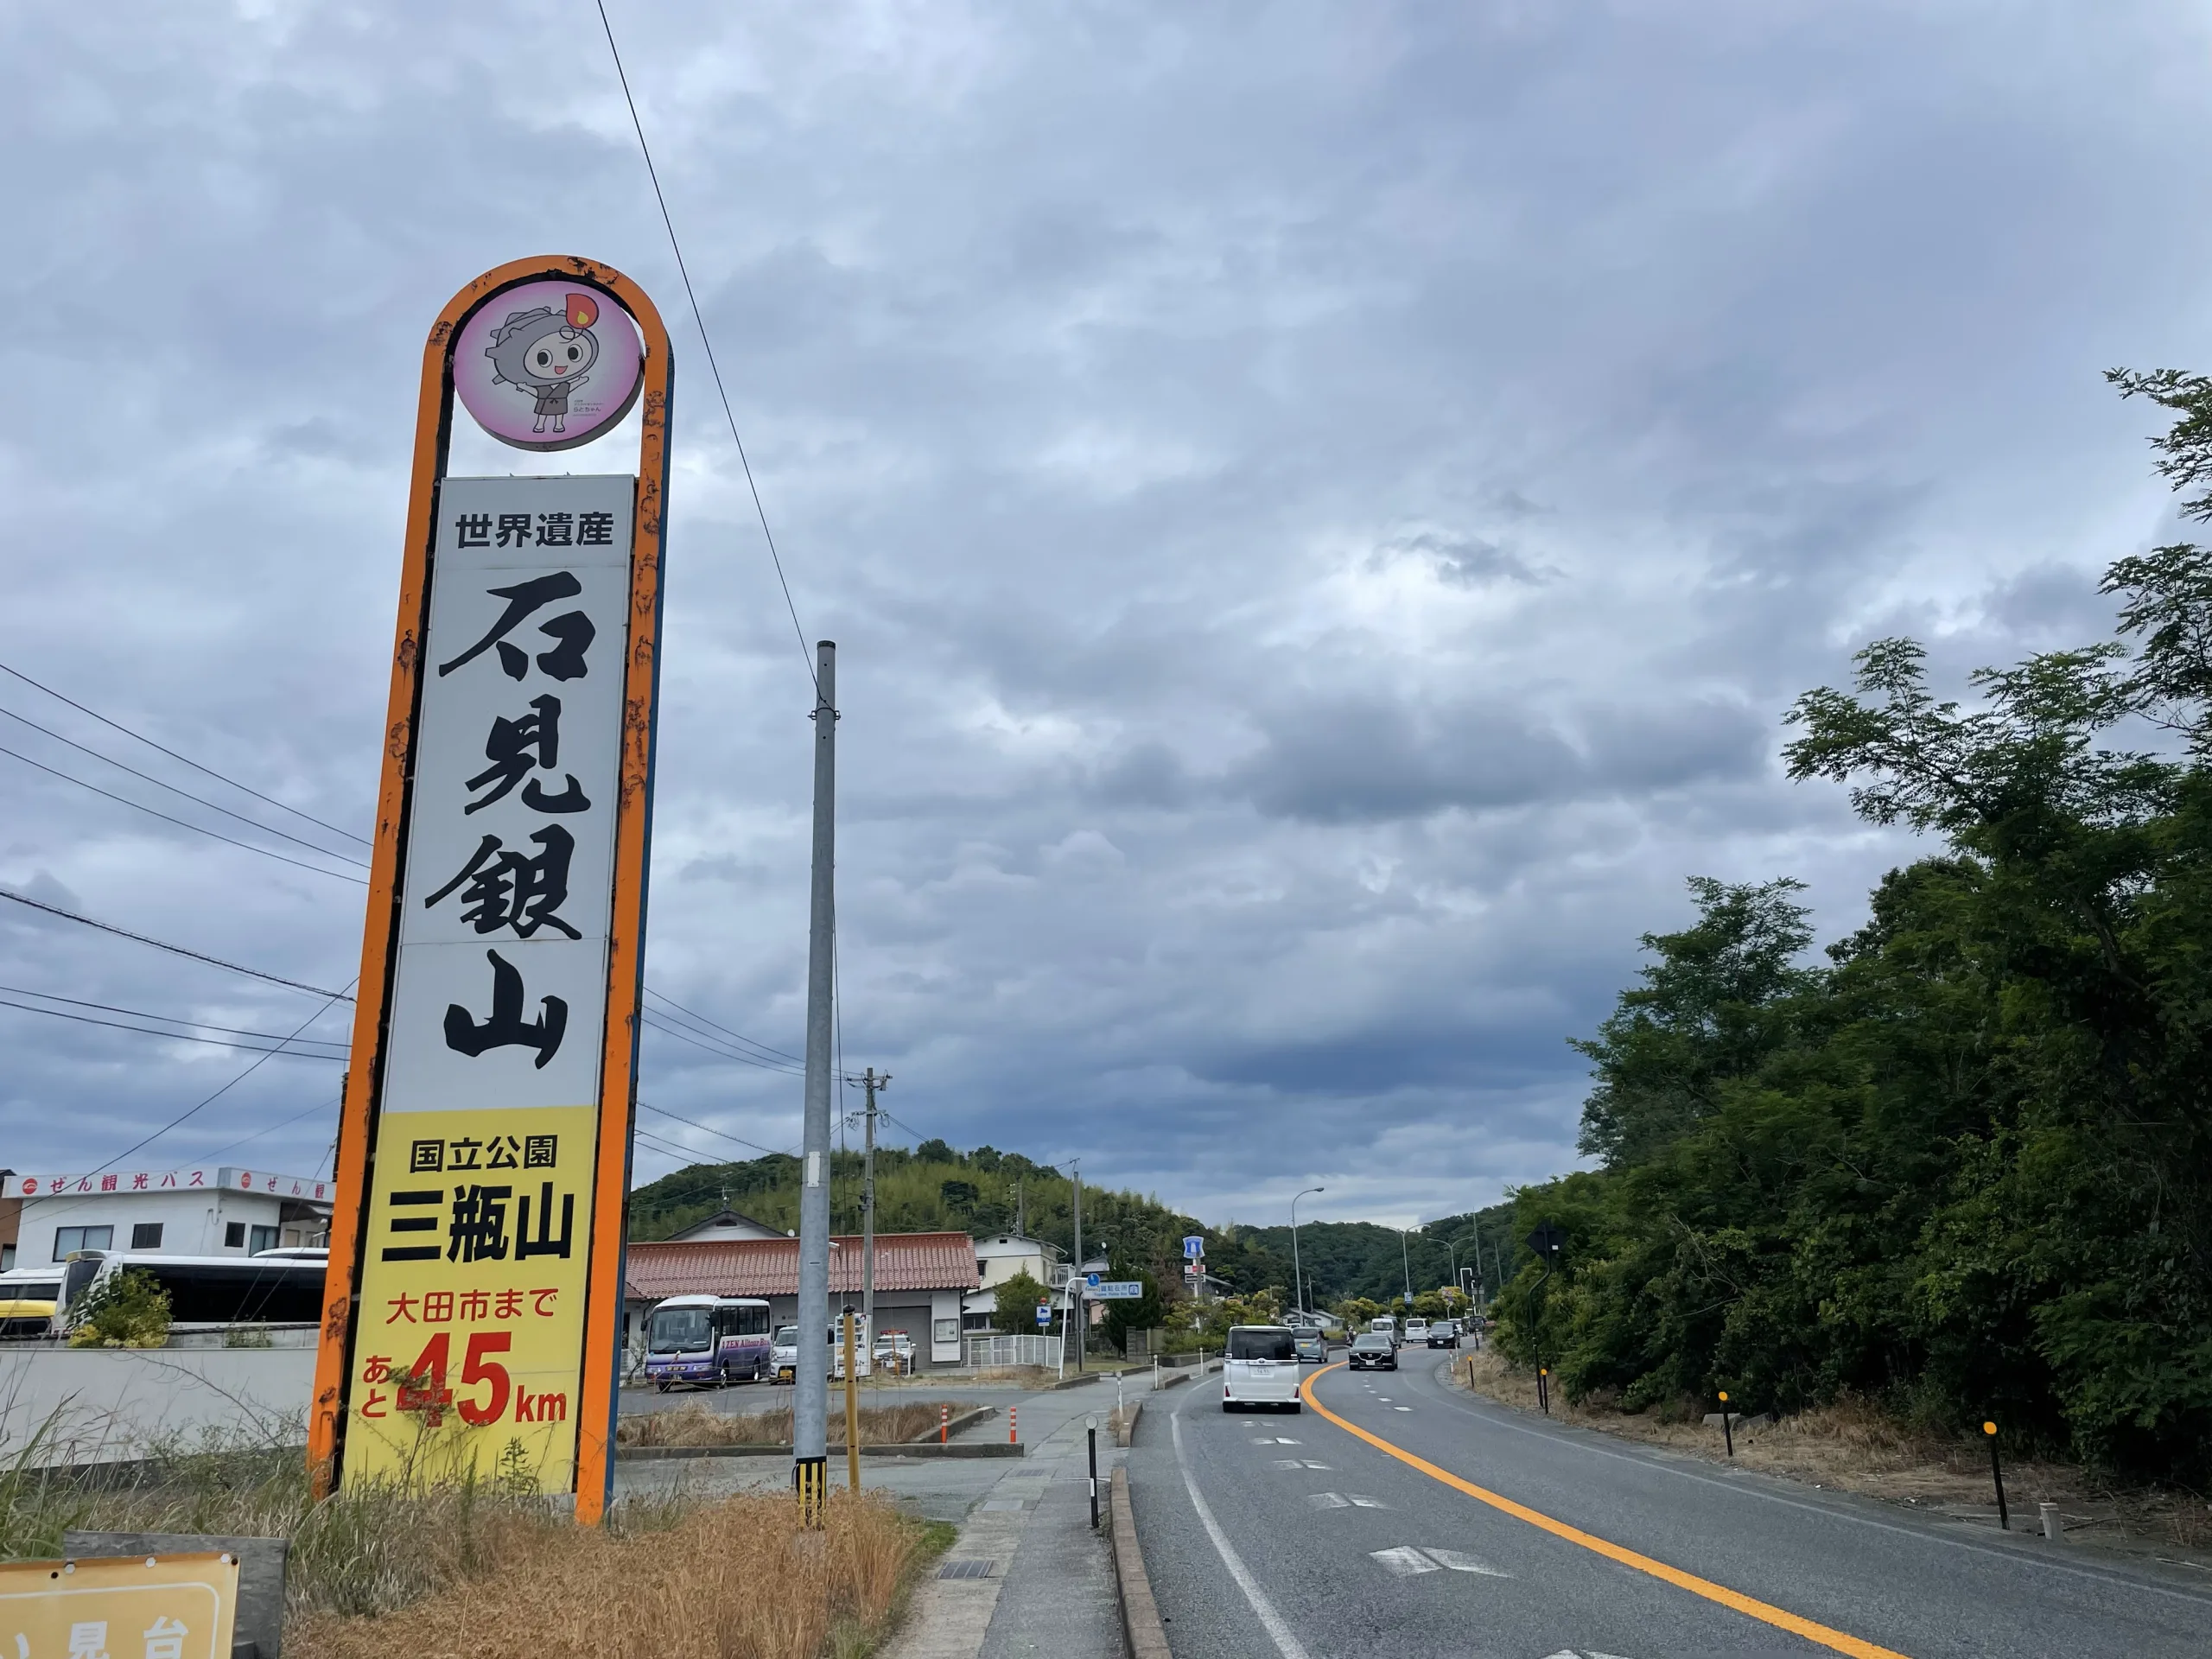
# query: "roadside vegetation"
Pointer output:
{"type": "Point", "coordinates": [697, 1424]}
{"type": "Point", "coordinates": [1854, 1445]}
{"type": "Point", "coordinates": [492, 1571]}
{"type": "Point", "coordinates": [1962, 1169]}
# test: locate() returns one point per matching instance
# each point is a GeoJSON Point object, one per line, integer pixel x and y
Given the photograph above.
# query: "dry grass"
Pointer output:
{"type": "Point", "coordinates": [699, 1425]}
{"type": "Point", "coordinates": [735, 1580]}
{"type": "Point", "coordinates": [1853, 1446]}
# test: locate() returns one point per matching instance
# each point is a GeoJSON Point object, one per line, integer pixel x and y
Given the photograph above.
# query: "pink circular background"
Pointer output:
{"type": "Point", "coordinates": [508, 411]}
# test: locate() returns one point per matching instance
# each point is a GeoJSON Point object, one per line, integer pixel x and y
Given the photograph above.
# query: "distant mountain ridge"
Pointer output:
{"type": "Point", "coordinates": [933, 1187]}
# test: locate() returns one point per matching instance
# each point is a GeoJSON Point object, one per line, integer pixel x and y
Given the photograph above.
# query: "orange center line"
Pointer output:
{"type": "Point", "coordinates": [1751, 1607]}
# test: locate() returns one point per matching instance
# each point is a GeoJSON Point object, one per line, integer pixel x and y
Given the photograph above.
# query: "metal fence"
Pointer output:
{"type": "Point", "coordinates": [992, 1353]}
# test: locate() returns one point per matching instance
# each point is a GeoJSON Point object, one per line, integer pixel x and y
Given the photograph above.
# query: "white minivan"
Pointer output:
{"type": "Point", "coordinates": [1261, 1368]}
{"type": "Point", "coordinates": [1416, 1332]}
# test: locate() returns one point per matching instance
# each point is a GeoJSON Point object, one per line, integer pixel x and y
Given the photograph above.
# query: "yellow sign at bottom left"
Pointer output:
{"type": "Point", "coordinates": [126, 1607]}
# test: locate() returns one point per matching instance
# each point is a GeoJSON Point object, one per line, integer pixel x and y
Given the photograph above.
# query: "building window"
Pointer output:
{"type": "Point", "coordinates": [234, 1236]}
{"type": "Point", "coordinates": [264, 1238]}
{"type": "Point", "coordinates": [146, 1236]}
{"type": "Point", "coordinates": [7, 1257]}
{"type": "Point", "coordinates": [945, 1330]}
{"type": "Point", "coordinates": [68, 1240]}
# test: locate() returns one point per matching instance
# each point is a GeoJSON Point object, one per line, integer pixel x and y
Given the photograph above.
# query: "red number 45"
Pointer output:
{"type": "Point", "coordinates": [475, 1367]}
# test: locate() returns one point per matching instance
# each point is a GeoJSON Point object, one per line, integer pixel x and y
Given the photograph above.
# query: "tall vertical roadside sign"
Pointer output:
{"type": "Point", "coordinates": [472, 1306]}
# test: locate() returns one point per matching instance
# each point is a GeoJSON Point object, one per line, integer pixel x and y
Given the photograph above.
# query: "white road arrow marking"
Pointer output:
{"type": "Point", "coordinates": [1405, 1561]}
{"type": "Point", "coordinates": [1462, 1563]}
{"type": "Point", "coordinates": [1329, 1501]}
{"type": "Point", "coordinates": [1369, 1502]}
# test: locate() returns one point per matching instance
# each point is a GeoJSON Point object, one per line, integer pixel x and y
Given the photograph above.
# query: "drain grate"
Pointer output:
{"type": "Point", "coordinates": [964, 1570]}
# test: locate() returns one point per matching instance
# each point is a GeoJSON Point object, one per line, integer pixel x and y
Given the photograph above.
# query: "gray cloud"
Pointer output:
{"type": "Point", "coordinates": [1323, 511]}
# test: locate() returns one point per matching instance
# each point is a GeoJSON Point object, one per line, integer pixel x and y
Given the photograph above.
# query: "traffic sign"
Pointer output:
{"type": "Point", "coordinates": [1044, 1313]}
{"type": "Point", "coordinates": [1092, 1279]}
{"type": "Point", "coordinates": [1548, 1240]}
{"type": "Point", "coordinates": [1120, 1290]}
{"type": "Point", "coordinates": [1194, 1246]}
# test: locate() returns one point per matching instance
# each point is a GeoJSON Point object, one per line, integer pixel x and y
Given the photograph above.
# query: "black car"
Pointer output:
{"type": "Point", "coordinates": [1373, 1351]}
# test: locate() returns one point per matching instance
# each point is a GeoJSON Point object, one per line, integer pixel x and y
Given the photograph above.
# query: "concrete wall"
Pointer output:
{"type": "Point", "coordinates": [102, 1405]}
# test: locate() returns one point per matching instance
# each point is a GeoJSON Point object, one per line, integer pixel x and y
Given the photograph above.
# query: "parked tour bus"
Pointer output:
{"type": "Point", "coordinates": [30, 1302]}
{"type": "Point", "coordinates": [706, 1341]}
{"type": "Point", "coordinates": [206, 1291]}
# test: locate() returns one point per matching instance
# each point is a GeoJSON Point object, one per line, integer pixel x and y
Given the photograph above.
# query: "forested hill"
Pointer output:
{"type": "Point", "coordinates": [933, 1187]}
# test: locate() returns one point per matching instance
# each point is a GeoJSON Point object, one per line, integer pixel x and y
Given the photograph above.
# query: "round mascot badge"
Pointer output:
{"type": "Point", "coordinates": [549, 365]}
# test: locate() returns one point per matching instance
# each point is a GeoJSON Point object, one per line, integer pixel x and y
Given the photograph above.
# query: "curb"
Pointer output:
{"type": "Point", "coordinates": [896, 1449]}
{"type": "Point", "coordinates": [1130, 1413]}
{"type": "Point", "coordinates": [1141, 1624]}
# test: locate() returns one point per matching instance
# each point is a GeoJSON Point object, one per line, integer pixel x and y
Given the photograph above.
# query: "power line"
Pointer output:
{"type": "Point", "coordinates": [320, 1106]}
{"type": "Point", "coordinates": [720, 1053]}
{"type": "Point", "coordinates": [699, 317]}
{"type": "Point", "coordinates": [191, 1111]}
{"type": "Point", "coordinates": [176, 949]}
{"type": "Point", "coordinates": [187, 759]}
{"type": "Point", "coordinates": [719, 1134]}
{"type": "Point", "coordinates": [180, 823]}
{"type": "Point", "coordinates": [738, 1036]}
{"type": "Point", "coordinates": [141, 1013]}
{"type": "Point", "coordinates": [197, 800]}
{"type": "Point", "coordinates": [178, 1036]}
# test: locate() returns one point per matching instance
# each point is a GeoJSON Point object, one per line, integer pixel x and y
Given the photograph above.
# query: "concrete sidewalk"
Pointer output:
{"type": "Point", "coordinates": [1030, 1575]}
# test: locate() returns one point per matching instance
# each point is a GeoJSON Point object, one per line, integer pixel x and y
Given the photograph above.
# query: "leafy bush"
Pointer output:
{"type": "Point", "coordinates": [124, 1309]}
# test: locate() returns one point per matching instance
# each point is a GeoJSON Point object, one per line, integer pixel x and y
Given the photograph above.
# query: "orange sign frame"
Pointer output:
{"type": "Point", "coordinates": [358, 1124]}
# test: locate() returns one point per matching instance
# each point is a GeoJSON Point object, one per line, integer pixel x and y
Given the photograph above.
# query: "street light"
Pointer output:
{"type": "Point", "coordinates": [1297, 1273]}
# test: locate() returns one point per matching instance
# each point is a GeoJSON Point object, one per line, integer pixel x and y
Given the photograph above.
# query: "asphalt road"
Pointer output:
{"type": "Point", "coordinates": [1284, 1534]}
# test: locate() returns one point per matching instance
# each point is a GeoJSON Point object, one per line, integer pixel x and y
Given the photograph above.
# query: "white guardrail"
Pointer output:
{"type": "Point", "coordinates": [995, 1353]}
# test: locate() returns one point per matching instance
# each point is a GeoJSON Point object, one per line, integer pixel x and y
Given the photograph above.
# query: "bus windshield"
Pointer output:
{"type": "Point", "coordinates": [680, 1330]}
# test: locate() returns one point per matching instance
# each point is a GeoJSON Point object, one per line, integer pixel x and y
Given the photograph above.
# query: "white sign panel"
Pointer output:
{"type": "Point", "coordinates": [1120, 1290]}
{"type": "Point", "coordinates": [500, 992]}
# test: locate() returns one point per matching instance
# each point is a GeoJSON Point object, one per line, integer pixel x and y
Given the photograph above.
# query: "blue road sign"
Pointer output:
{"type": "Point", "coordinates": [1044, 1313]}
{"type": "Point", "coordinates": [1092, 1279]}
{"type": "Point", "coordinates": [1194, 1247]}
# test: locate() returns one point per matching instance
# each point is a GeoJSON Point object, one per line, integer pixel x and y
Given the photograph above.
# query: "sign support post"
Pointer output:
{"type": "Point", "coordinates": [471, 1305]}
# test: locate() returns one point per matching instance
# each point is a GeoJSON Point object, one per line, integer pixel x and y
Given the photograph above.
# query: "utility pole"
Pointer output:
{"type": "Point", "coordinates": [1076, 1279]}
{"type": "Point", "coordinates": [871, 1083]}
{"type": "Point", "coordinates": [1298, 1273]}
{"type": "Point", "coordinates": [810, 1402]}
{"type": "Point", "coordinates": [1406, 1261]}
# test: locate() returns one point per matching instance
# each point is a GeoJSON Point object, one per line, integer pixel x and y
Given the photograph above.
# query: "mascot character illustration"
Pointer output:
{"type": "Point", "coordinates": [546, 354]}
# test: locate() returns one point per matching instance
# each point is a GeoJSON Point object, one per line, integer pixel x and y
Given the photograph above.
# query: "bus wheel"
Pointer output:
{"type": "Point", "coordinates": [662, 1387]}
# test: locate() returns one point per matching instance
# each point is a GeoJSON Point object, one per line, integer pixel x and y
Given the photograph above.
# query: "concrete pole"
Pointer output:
{"type": "Point", "coordinates": [1076, 1284]}
{"type": "Point", "coordinates": [867, 1209]}
{"type": "Point", "coordinates": [810, 1402]}
{"type": "Point", "coordinates": [1297, 1273]}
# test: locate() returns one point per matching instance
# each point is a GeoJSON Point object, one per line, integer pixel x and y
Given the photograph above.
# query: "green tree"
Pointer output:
{"type": "Point", "coordinates": [1014, 1312]}
{"type": "Point", "coordinates": [1966, 1163]}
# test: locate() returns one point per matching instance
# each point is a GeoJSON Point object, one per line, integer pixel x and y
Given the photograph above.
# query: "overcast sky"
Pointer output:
{"type": "Point", "coordinates": [1323, 510]}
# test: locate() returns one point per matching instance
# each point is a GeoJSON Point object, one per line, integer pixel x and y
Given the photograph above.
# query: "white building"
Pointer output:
{"type": "Point", "coordinates": [205, 1212]}
{"type": "Point", "coordinates": [998, 1259]}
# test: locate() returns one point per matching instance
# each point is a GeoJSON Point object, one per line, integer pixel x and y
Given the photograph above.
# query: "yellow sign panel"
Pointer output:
{"type": "Point", "coordinates": [467, 1352]}
{"type": "Point", "coordinates": [131, 1607]}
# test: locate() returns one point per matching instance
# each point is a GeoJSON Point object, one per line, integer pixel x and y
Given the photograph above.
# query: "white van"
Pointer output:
{"type": "Point", "coordinates": [1417, 1332]}
{"type": "Point", "coordinates": [1385, 1326]}
{"type": "Point", "coordinates": [1261, 1368]}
